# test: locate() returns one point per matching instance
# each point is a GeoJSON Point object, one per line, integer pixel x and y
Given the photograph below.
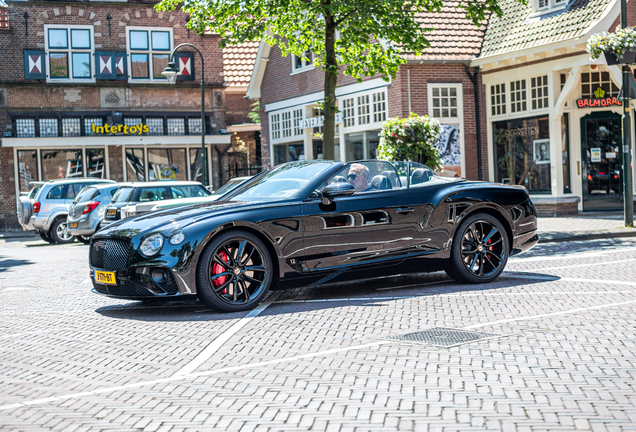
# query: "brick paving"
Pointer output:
{"type": "Point", "coordinates": [322, 358]}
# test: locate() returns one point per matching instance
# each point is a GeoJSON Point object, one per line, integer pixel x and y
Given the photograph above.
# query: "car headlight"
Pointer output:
{"type": "Point", "coordinates": [151, 245]}
{"type": "Point", "coordinates": [177, 238]}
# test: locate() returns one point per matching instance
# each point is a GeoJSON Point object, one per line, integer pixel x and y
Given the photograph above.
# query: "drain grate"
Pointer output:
{"type": "Point", "coordinates": [443, 337]}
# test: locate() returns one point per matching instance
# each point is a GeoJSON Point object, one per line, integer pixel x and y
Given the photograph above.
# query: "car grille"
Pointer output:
{"type": "Point", "coordinates": [110, 254]}
{"type": "Point", "coordinates": [141, 287]}
{"type": "Point", "coordinates": [169, 285]}
{"type": "Point", "coordinates": [124, 288]}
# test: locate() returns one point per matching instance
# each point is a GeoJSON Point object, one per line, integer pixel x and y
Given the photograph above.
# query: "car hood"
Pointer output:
{"type": "Point", "coordinates": [169, 220]}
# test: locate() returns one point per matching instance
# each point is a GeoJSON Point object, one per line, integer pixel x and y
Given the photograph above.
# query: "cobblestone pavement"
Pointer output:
{"type": "Point", "coordinates": [560, 352]}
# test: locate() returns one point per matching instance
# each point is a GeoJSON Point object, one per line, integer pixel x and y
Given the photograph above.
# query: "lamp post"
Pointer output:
{"type": "Point", "coordinates": [170, 72]}
{"type": "Point", "coordinates": [628, 197]}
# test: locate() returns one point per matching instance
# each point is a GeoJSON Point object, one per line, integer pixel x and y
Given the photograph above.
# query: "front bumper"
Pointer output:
{"type": "Point", "coordinates": [138, 282]}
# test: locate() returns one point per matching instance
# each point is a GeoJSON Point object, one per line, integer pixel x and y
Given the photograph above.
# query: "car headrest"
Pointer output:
{"type": "Point", "coordinates": [338, 179]}
{"type": "Point", "coordinates": [393, 178]}
{"type": "Point", "coordinates": [149, 195]}
{"type": "Point", "coordinates": [420, 175]}
{"type": "Point", "coordinates": [380, 182]}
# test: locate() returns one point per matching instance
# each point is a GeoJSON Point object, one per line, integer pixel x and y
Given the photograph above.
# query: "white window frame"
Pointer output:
{"type": "Point", "coordinates": [290, 125]}
{"type": "Point", "coordinates": [149, 52]}
{"type": "Point", "coordinates": [371, 112]}
{"type": "Point", "coordinates": [307, 64]}
{"type": "Point", "coordinates": [505, 104]}
{"type": "Point", "coordinates": [70, 51]}
{"type": "Point", "coordinates": [547, 86]}
{"type": "Point", "coordinates": [552, 6]}
{"type": "Point", "coordinates": [510, 92]}
{"type": "Point", "coordinates": [458, 120]}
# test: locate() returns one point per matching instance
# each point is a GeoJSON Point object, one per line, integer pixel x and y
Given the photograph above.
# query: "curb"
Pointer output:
{"type": "Point", "coordinates": [593, 236]}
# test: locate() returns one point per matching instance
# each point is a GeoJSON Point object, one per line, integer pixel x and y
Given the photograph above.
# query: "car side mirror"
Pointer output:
{"type": "Point", "coordinates": [335, 190]}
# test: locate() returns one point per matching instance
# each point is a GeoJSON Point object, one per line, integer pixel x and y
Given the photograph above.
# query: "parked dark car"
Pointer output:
{"type": "Point", "coordinates": [303, 221]}
{"type": "Point", "coordinates": [151, 192]}
{"type": "Point", "coordinates": [88, 208]}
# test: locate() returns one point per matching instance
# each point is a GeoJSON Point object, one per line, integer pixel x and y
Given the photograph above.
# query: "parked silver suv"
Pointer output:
{"type": "Point", "coordinates": [51, 205]}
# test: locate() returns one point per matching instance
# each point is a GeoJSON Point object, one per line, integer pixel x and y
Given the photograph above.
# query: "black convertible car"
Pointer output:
{"type": "Point", "coordinates": [307, 222]}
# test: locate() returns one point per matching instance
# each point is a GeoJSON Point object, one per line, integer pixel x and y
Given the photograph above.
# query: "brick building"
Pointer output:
{"type": "Point", "coordinates": [553, 120]}
{"type": "Point", "coordinates": [437, 82]}
{"type": "Point", "coordinates": [73, 70]}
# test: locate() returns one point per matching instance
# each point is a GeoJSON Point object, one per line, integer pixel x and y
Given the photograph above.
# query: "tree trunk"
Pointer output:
{"type": "Point", "coordinates": [331, 78]}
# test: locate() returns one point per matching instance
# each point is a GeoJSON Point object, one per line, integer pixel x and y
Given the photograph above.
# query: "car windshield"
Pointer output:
{"type": "Point", "coordinates": [189, 191]}
{"type": "Point", "coordinates": [122, 195]}
{"type": "Point", "coordinates": [228, 187]}
{"type": "Point", "coordinates": [282, 181]}
{"type": "Point", "coordinates": [86, 194]}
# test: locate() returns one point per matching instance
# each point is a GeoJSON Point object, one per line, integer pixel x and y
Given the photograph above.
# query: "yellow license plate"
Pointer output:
{"type": "Point", "coordinates": [112, 212]}
{"type": "Point", "coordinates": [104, 277]}
{"type": "Point", "coordinates": [74, 224]}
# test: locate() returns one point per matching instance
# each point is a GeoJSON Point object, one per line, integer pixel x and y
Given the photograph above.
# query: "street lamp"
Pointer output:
{"type": "Point", "coordinates": [170, 72]}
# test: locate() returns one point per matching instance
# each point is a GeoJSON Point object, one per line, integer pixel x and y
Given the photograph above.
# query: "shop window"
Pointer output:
{"type": "Point", "coordinates": [166, 164]}
{"type": "Point", "coordinates": [48, 128]}
{"type": "Point", "coordinates": [498, 99]}
{"type": "Point", "coordinates": [348, 112]}
{"type": "Point", "coordinates": [539, 92]}
{"type": "Point", "coordinates": [27, 168]}
{"type": "Point", "coordinates": [90, 122]}
{"type": "Point", "coordinates": [592, 81]}
{"type": "Point", "coordinates": [518, 96]}
{"type": "Point", "coordinates": [361, 145]}
{"type": "Point", "coordinates": [444, 101]}
{"type": "Point", "coordinates": [565, 152]}
{"type": "Point", "coordinates": [71, 127]}
{"type": "Point", "coordinates": [135, 163]}
{"type": "Point", "coordinates": [522, 151]}
{"type": "Point", "coordinates": [196, 169]}
{"type": "Point", "coordinates": [59, 164]}
{"type": "Point", "coordinates": [149, 51]}
{"type": "Point", "coordinates": [70, 52]}
{"type": "Point", "coordinates": [95, 163]}
{"type": "Point", "coordinates": [194, 126]}
{"type": "Point", "coordinates": [363, 110]}
{"type": "Point", "coordinates": [275, 124]}
{"type": "Point", "coordinates": [176, 126]}
{"type": "Point", "coordinates": [379, 107]}
{"type": "Point", "coordinates": [288, 153]}
{"type": "Point", "coordinates": [287, 124]}
{"type": "Point", "coordinates": [25, 128]}
{"type": "Point", "coordinates": [298, 120]}
{"type": "Point", "coordinates": [155, 126]}
{"type": "Point", "coordinates": [132, 121]}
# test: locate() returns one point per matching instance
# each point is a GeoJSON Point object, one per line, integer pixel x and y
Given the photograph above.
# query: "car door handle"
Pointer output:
{"type": "Point", "coordinates": [404, 210]}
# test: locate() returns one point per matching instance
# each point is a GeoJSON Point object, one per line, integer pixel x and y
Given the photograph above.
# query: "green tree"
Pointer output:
{"type": "Point", "coordinates": [356, 37]}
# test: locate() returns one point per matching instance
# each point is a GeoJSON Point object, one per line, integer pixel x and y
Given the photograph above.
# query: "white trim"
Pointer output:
{"type": "Point", "coordinates": [260, 63]}
{"type": "Point", "coordinates": [307, 65]}
{"type": "Point", "coordinates": [318, 96]}
{"type": "Point", "coordinates": [69, 50]}
{"type": "Point", "coordinates": [112, 140]}
{"type": "Point", "coordinates": [149, 52]}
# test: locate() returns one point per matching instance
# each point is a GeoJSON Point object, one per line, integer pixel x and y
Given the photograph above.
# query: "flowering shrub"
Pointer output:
{"type": "Point", "coordinates": [624, 39]}
{"type": "Point", "coordinates": [409, 138]}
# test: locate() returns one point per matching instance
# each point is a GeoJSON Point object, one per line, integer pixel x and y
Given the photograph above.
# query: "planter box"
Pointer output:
{"type": "Point", "coordinates": [629, 57]}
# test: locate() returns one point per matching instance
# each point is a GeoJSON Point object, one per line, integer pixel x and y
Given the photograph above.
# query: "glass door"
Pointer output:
{"type": "Point", "coordinates": [600, 151]}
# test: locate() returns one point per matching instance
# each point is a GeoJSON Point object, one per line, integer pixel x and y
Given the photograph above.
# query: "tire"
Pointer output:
{"type": "Point", "coordinates": [480, 250]}
{"type": "Point", "coordinates": [224, 279]}
{"type": "Point", "coordinates": [60, 234]}
{"type": "Point", "coordinates": [84, 239]}
{"type": "Point", "coordinates": [25, 210]}
{"type": "Point", "coordinates": [46, 237]}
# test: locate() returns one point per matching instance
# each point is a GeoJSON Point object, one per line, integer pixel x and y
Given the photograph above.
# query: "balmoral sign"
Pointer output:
{"type": "Point", "coordinates": [599, 101]}
{"type": "Point", "coordinates": [313, 122]}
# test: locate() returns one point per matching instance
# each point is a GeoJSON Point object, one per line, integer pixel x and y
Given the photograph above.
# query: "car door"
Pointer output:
{"type": "Point", "coordinates": [367, 228]}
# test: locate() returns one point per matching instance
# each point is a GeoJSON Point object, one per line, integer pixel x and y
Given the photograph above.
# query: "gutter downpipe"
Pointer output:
{"type": "Point", "coordinates": [408, 86]}
{"type": "Point", "coordinates": [475, 81]}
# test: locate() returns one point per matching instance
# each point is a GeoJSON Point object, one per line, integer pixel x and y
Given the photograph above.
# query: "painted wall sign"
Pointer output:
{"type": "Point", "coordinates": [114, 129]}
{"type": "Point", "coordinates": [313, 122]}
{"type": "Point", "coordinates": [598, 101]}
{"type": "Point", "coordinates": [595, 154]}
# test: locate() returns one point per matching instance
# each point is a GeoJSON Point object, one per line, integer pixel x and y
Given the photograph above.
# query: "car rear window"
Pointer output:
{"type": "Point", "coordinates": [193, 191]}
{"type": "Point", "coordinates": [122, 195]}
{"type": "Point", "coordinates": [34, 191]}
{"type": "Point", "coordinates": [86, 194]}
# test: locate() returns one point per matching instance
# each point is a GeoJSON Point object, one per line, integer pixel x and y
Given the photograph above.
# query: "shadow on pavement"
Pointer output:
{"type": "Point", "coordinates": [329, 296]}
{"type": "Point", "coordinates": [551, 249]}
{"type": "Point", "coordinates": [5, 264]}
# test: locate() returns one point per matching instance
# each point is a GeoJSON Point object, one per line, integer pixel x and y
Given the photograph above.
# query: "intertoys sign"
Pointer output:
{"type": "Point", "coordinates": [598, 101]}
{"type": "Point", "coordinates": [114, 129]}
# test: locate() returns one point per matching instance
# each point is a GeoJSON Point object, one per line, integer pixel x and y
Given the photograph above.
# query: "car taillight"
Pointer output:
{"type": "Point", "coordinates": [90, 207]}
{"type": "Point", "coordinates": [589, 176]}
{"type": "Point", "coordinates": [36, 207]}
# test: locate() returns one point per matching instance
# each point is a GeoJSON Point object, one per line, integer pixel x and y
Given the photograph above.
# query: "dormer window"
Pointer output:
{"type": "Point", "coordinates": [541, 7]}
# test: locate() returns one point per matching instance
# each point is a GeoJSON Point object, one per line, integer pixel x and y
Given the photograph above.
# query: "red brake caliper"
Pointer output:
{"type": "Point", "coordinates": [218, 269]}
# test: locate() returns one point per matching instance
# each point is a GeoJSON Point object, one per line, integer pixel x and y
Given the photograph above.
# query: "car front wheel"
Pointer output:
{"type": "Point", "coordinates": [480, 250]}
{"type": "Point", "coordinates": [235, 272]}
{"type": "Point", "coordinates": [60, 233]}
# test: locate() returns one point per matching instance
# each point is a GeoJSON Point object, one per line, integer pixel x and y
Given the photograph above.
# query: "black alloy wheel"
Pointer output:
{"type": "Point", "coordinates": [480, 250]}
{"type": "Point", "coordinates": [235, 272]}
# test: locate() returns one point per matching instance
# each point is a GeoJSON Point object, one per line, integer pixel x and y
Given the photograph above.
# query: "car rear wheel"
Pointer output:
{"type": "Point", "coordinates": [480, 250]}
{"type": "Point", "coordinates": [235, 272]}
{"type": "Point", "coordinates": [60, 233]}
{"type": "Point", "coordinates": [46, 237]}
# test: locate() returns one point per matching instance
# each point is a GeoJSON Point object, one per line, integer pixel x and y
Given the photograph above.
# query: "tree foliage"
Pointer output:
{"type": "Point", "coordinates": [356, 37]}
